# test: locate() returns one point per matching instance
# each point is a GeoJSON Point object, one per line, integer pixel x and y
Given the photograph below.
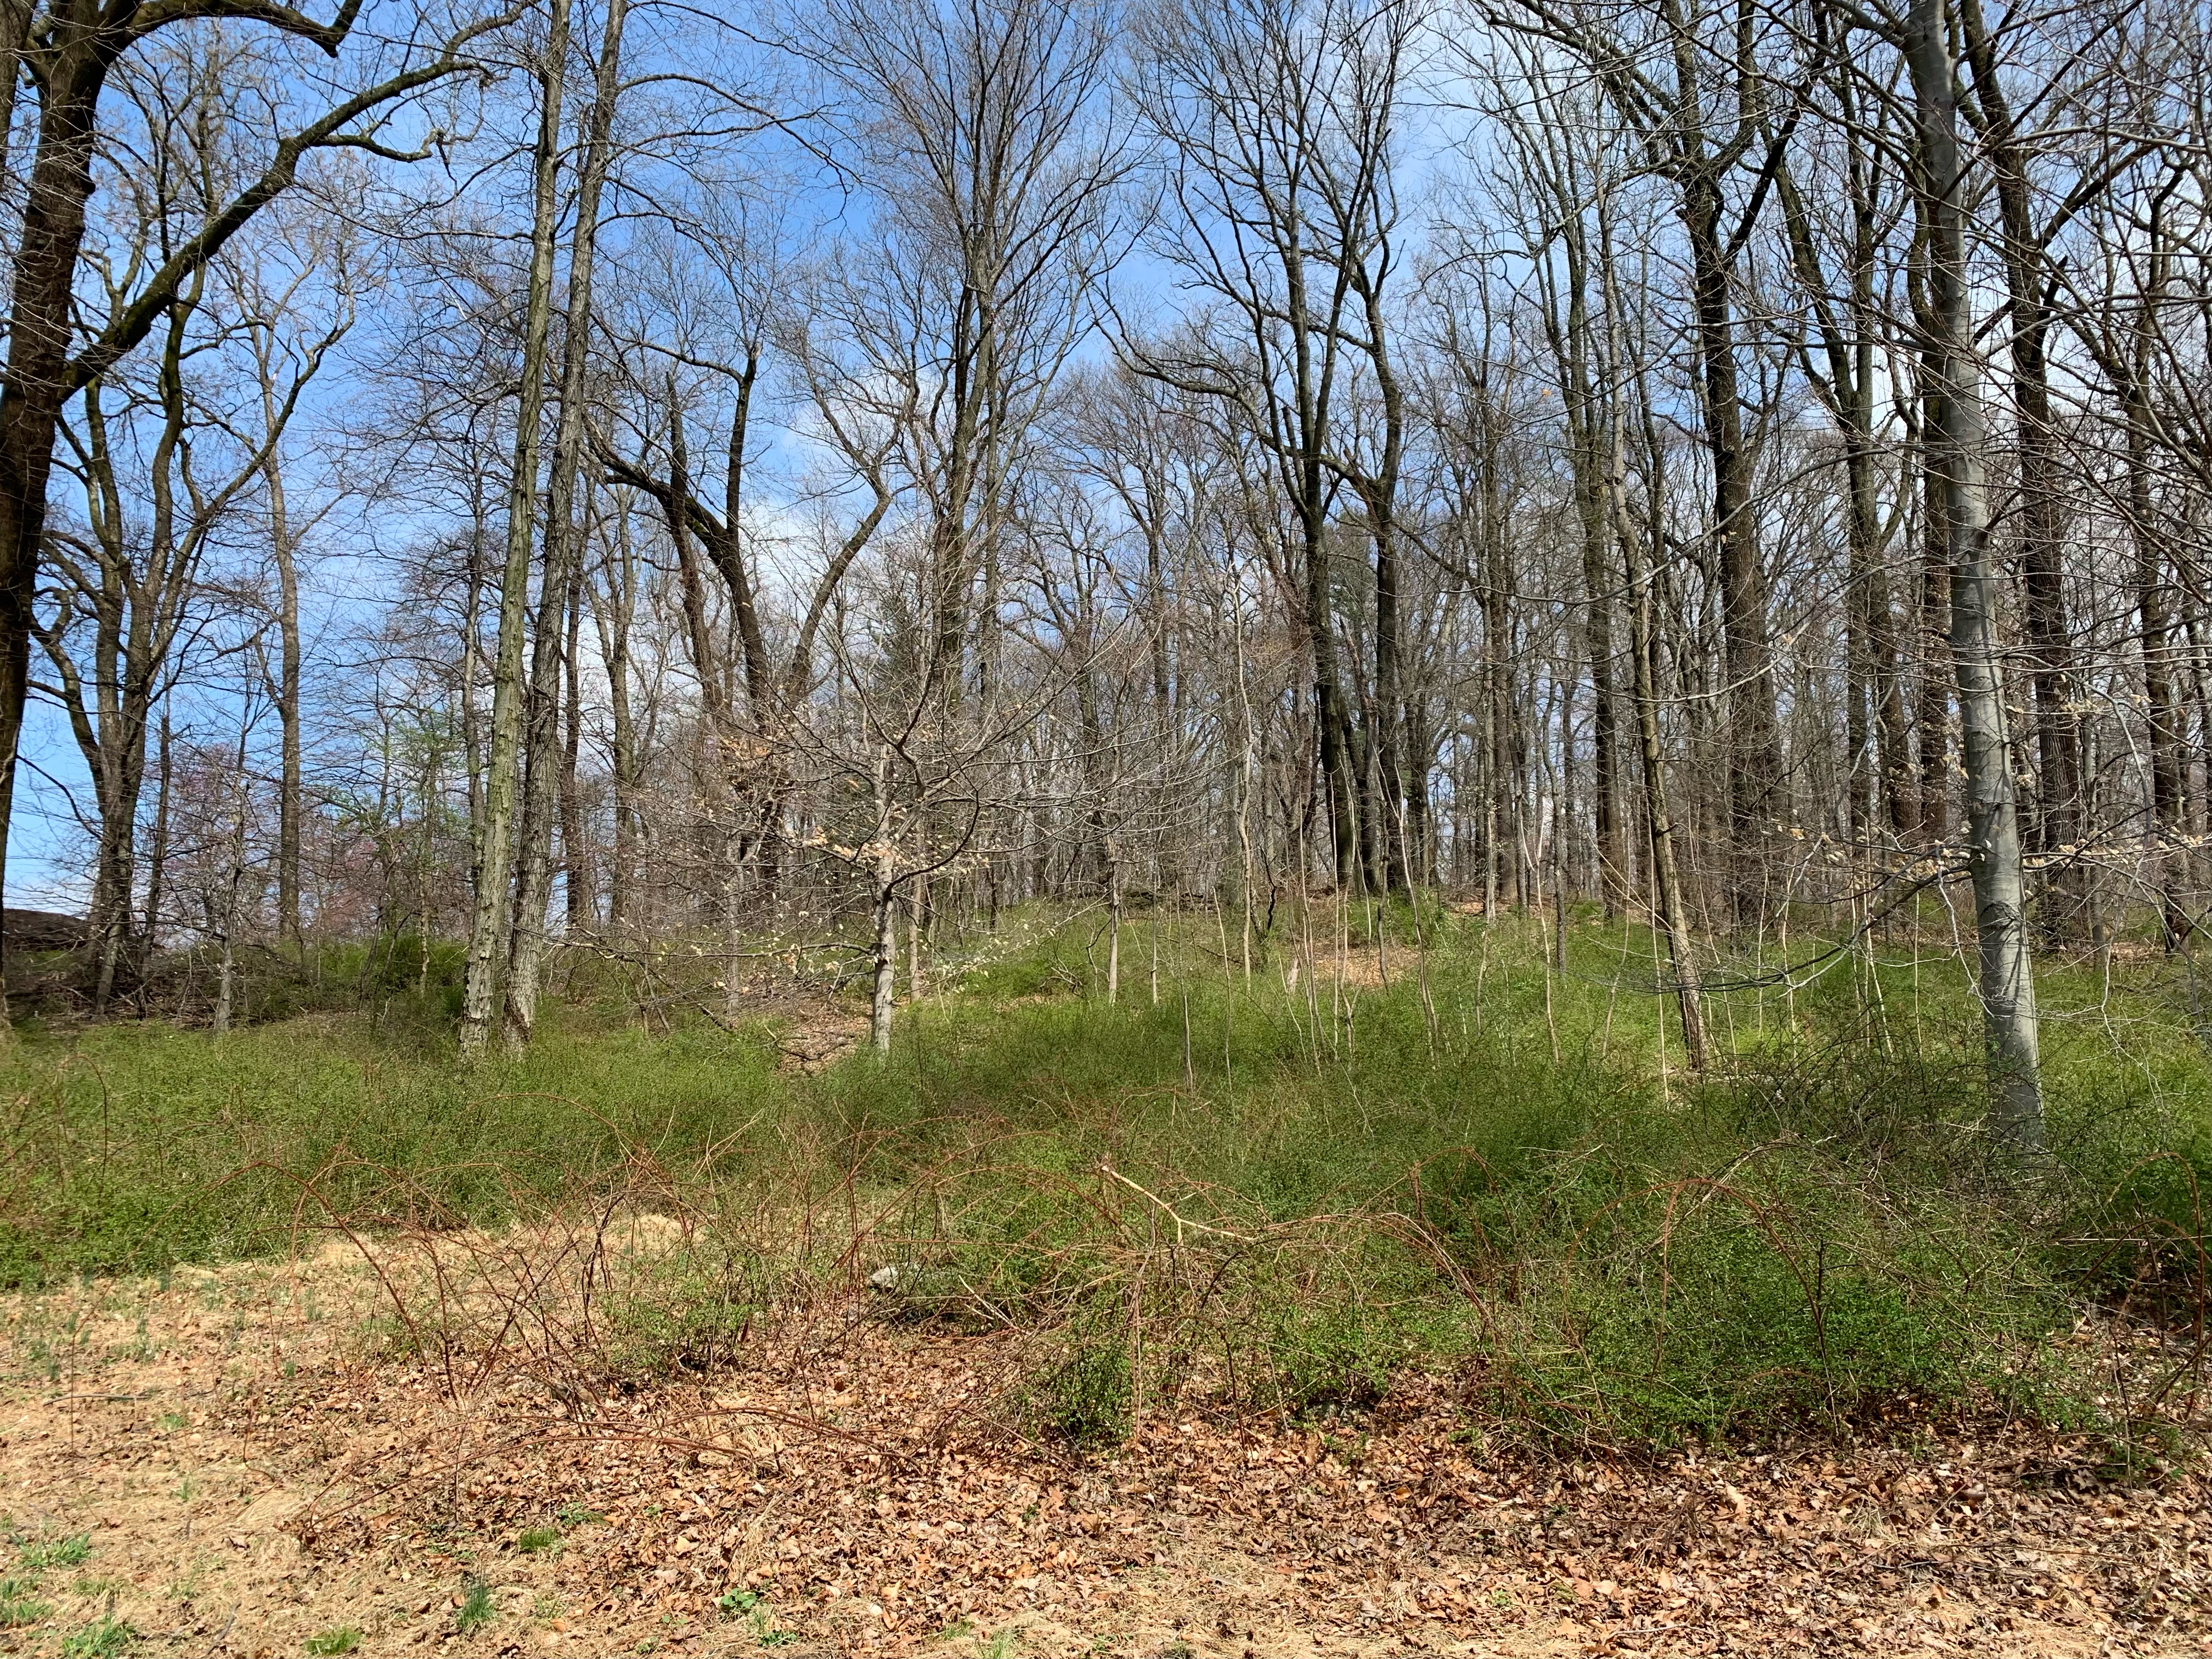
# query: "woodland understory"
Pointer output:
{"type": "Point", "coordinates": [1137, 827]}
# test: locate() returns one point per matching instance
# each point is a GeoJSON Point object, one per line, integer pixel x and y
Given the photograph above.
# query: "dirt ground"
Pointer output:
{"type": "Point", "coordinates": [231, 1462]}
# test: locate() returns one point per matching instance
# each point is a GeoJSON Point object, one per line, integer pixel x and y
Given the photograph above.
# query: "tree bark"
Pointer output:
{"type": "Point", "coordinates": [1932, 715]}
{"type": "Point", "coordinates": [73, 71]}
{"type": "Point", "coordinates": [68, 59]}
{"type": "Point", "coordinates": [886, 959]}
{"type": "Point", "coordinates": [1959, 453]}
{"type": "Point", "coordinates": [1880, 785]}
{"type": "Point", "coordinates": [157, 851]}
{"type": "Point", "coordinates": [2057, 829]}
{"type": "Point", "coordinates": [489, 935]}
{"type": "Point", "coordinates": [1754, 743]}
{"type": "Point", "coordinates": [615, 616]}
{"type": "Point", "coordinates": [557, 587]}
{"type": "Point", "coordinates": [580, 902]}
{"type": "Point", "coordinates": [291, 781]}
{"type": "Point", "coordinates": [2169, 823]}
{"type": "Point", "coordinates": [1659, 817]}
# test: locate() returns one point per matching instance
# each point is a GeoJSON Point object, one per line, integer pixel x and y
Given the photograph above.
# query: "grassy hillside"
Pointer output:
{"type": "Point", "coordinates": [1271, 1193]}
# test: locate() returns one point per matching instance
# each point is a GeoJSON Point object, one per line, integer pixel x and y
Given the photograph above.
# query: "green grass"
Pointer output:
{"type": "Point", "coordinates": [104, 1639]}
{"type": "Point", "coordinates": [1291, 1192]}
{"type": "Point", "coordinates": [138, 1146]}
{"type": "Point", "coordinates": [20, 1605]}
{"type": "Point", "coordinates": [68, 1550]}
{"type": "Point", "coordinates": [477, 1609]}
{"type": "Point", "coordinates": [339, 1639]}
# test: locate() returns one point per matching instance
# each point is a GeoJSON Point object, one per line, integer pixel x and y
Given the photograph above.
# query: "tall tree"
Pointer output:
{"type": "Point", "coordinates": [489, 932]}
{"type": "Point", "coordinates": [68, 61]}
{"type": "Point", "coordinates": [1959, 458]}
{"type": "Point", "coordinates": [1689, 81]}
{"type": "Point", "coordinates": [558, 586]}
{"type": "Point", "coordinates": [1280, 119]}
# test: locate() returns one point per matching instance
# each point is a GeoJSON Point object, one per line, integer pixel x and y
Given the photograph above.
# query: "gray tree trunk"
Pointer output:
{"type": "Point", "coordinates": [1958, 453]}
{"type": "Point", "coordinates": [880, 1003]}
{"type": "Point", "coordinates": [494, 851]}
{"type": "Point", "coordinates": [289, 788]}
{"type": "Point", "coordinates": [563, 553]}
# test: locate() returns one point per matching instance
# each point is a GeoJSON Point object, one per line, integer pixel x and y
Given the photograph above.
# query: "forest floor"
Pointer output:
{"type": "Point", "coordinates": [235, 1460]}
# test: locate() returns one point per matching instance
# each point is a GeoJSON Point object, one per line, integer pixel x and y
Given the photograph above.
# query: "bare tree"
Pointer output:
{"type": "Point", "coordinates": [69, 62]}
{"type": "Point", "coordinates": [490, 935]}
{"type": "Point", "coordinates": [1960, 460]}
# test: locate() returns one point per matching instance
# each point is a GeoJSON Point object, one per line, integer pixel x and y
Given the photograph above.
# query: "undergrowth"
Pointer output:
{"type": "Point", "coordinates": [1276, 1194]}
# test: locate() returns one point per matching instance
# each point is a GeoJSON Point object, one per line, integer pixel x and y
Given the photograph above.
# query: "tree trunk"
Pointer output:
{"type": "Point", "coordinates": [1674, 911]}
{"type": "Point", "coordinates": [1113, 923]}
{"type": "Point", "coordinates": [614, 619]}
{"type": "Point", "coordinates": [886, 918]}
{"type": "Point", "coordinates": [1960, 452]}
{"type": "Point", "coordinates": [557, 592]}
{"type": "Point", "coordinates": [2058, 826]}
{"type": "Point", "coordinates": [1389, 740]}
{"type": "Point", "coordinates": [234, 887]}
{"type": "Point", "coordinates": [38, 325]}
{"type": "Point", "coordinates": [290, 783]}
{"type": "Point", "coordinates": [1931, 718]}
{"type": "Point", "coordinates": [1673, 916]}
{"type": "Point", "coordinates": [157, 851]}
{"type": "Point", "coordinates": [1849, 324]}
{"type": "Point", "coordinates": [15, 36]}
{"type": "Point", "coordinates": [1570, 351]}
{"type": "Point", "coordinates": [581, 901]}
{"type": "Point", "coordinates": [2154, 599]}
{"type": "Point", "coordinates": [67, 49]}
{"type": "Point", "coordinates": [493, 899]}
{"type": "Point", "coordinates": [1754, 742]}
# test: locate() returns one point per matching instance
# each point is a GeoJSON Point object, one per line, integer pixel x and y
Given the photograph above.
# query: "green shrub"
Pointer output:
{"type": "Point", "coordinates": [676, 1316]}
{"type": "Point", "coordinates": [1336, 1359]}
{"type": "Point", "coordinates": [148, 1146]}
{"type": "Point", "coordinates": [1085, 1398]}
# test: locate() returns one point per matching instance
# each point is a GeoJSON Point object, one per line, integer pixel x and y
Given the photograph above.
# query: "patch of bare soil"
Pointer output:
{"type": "Point", "coordinates": [251, 1470]}
{"type": "Point", "coordinates": [815, 1029]}
{"type": "Point", "coordinates": [816, 1038]}
{"type": "Point", "coordinates": [1360, 967]}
